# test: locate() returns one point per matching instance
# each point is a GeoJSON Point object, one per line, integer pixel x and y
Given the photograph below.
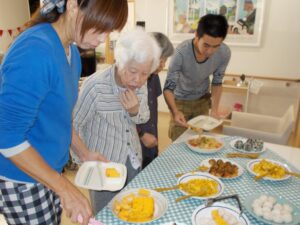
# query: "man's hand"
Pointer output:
{"type": "Point", "coordinates": [149, 140]}
{"type": "Point", "coordinates": [179, 119]}
{"type": "Point", "coordinates": [130, 102]}
{"type": "Point", "coordinates": [214, 114]}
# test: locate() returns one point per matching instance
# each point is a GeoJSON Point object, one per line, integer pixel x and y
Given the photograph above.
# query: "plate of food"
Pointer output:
{"type": "Point", "coordinates": [204, 144]}
{"type": "Point", "coordinates": [200, 185]}
{"type": "Point", "coordinates": [100, 176]}
{"type": "Point", "coordinates": [138, 205]}
{"type": "Point", "coordinates": [269, 169]}
{"type": "Point", "coordinates": [248, 145]}
{"type": "Point", "coordinates": [222, 168]}
{"type": "Point", "coordinates": [205, 122]}
{"type": "Point", "coordinates": [219, 213]}
{"type": "Point", "coordinates": [272, 209]}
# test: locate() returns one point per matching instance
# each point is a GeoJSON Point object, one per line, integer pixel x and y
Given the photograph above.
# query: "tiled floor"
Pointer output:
{"type": "Point", "coordinates": [164, 141]}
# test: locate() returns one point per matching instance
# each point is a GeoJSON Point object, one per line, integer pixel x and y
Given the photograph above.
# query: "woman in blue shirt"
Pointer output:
{"type": "Point", "coordinates": [38, 89]}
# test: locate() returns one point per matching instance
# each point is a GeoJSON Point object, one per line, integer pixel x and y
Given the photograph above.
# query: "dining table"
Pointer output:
{"type": "Point", "coordinates": [178, 158]}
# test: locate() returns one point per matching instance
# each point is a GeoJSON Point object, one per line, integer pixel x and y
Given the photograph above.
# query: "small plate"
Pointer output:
{"type": "Point", "coordinates": [160, 203]}
{"type": "Point", "coordinates": [198, 175]}
{"type": "Point", "coordinates": [204, 213]}
{"type": "Point", "coordinates": [251, 164]}
{"type": "Point", "coordinates": [279, 199]}
{"type": "Point", "coordinates": [240, 169]}
{"type": "Point", "coordinates": [205, 122]}
{"type": "Point", "coordinates": [242, 150]}
{"type": "Point", "coordinates": [204, 150]}
{"type": "Point", "coordinates": [91, 175]}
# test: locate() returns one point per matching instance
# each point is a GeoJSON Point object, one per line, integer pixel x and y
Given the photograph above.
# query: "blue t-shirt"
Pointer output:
{"type": "Point", "coordinates": [38, 90]}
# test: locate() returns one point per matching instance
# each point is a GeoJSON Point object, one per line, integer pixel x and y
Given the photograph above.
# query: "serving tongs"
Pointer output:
{"type": "Point", "coordinates": [199, 169]}
{"type": "Point", "coordinates": [209, 202]}
{"type": "Point", "coordinates": [243, 155]}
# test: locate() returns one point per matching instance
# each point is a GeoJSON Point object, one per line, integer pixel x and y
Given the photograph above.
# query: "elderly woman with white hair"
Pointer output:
{"type": "Point", "coordinates": [112, 102]}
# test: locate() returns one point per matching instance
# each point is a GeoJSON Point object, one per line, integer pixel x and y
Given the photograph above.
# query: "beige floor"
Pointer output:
{"type": "Point", "coordinates": [164, 141]}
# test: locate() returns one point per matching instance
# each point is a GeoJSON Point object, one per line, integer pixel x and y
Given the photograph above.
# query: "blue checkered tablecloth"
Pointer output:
{"type": "Point", "coordinates": [179, 158]}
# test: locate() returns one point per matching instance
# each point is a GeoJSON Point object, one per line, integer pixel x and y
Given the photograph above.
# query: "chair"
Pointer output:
{"type": "Point", "coordinates": [267, 128]}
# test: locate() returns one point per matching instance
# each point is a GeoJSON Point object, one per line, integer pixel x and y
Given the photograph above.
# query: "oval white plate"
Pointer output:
{"type": "Point", "coordinates": [91, 175]}
{"type": "Point", "coordinates": [160, 203]}
{"type": "Point", "coordinates": [251, 164]}
{"type": "Point", "coordinates": [198, 175]}
{"type": "Point", "coordinates": [240, 169]}
{"type": "Point", "coordinates": [242, 150]}
{"type": "Point", "coordinates": [279, 199]}
{"type": "Point", "coordinates": [205, 122]}
{"type": "Point", "coordinates": [204, 150]}
{"type": "Point", "coordinates": [203, 212]}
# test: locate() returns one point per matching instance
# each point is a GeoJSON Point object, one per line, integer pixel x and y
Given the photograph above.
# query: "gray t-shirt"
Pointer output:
{"type": "Point", "coordinates": [188, 78]}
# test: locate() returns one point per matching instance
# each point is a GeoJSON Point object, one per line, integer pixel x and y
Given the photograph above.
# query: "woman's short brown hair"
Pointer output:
{"type": "Point", "coordinates": [102, 15]}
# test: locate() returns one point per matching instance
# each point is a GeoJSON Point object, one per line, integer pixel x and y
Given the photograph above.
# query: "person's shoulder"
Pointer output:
{"type": "Point", "coordinates": [99, 77]}
{"type": "Point", "coordinates": [224, 50]}
{"type": "Point", "coordinates": [184, 45]}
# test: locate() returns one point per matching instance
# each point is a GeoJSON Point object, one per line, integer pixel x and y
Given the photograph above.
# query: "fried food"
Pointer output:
{"type": "Point", "coordinates": [205, 142]}
{"type": "Point", "coordinates": [223, 169]}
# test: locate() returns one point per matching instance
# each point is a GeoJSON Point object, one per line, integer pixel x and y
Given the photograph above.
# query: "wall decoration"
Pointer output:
{"type": "Point", "coordinates": [245, 19]}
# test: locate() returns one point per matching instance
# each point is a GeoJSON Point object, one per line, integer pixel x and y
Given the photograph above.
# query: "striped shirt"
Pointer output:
{"type": "Point", "coordinates": [102, 122]}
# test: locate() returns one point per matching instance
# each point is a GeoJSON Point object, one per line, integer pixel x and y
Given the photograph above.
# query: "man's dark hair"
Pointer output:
{"type": "Point", "coordinates": [212, 25]}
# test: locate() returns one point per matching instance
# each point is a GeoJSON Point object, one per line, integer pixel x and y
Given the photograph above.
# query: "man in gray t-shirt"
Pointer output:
{"type": "Point", "coordinates": [186, 89]}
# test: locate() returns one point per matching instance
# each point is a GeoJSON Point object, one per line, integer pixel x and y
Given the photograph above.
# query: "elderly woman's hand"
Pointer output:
{"type": "Point", "coordinates": [130, 102]}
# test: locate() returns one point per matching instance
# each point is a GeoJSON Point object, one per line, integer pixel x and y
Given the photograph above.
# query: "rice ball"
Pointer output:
{"type": "Point", "coordinates": [258, 211]}
{"type": "Point", "coordinates": [276, 212]}
{"type": "Point", "coordinates": [287, 217]}
{"type": "Point", "coordinates": [278, 219]}
{"type": "Point", "coordinates": [287, 208]}
{"type": "Point", "coordinates": [271, 199]}
{"type": "Point", "coordinates": [277, 206]}
{"type": "Point", "coordinates": [267, 215]}
{"type": "Point", "coordinates": [268, 204]}
{"type": "Point", "coordinates": [263, 198]}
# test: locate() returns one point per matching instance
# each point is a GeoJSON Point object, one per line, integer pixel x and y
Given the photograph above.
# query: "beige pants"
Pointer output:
{"type": "Point", "coordinates": [190, 109]}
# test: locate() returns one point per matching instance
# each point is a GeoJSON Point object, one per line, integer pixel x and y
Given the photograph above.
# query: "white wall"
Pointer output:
{"type": "Point", "coordinates": [279, 52]}
{"type": "Point", "coordinates": [13, 14]}
{"type": "Point", "coordinates": [277, 56]}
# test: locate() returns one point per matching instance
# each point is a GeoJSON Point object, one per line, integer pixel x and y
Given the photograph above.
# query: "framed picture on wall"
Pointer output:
{"type": "Point", "coordinates": [245, 19]}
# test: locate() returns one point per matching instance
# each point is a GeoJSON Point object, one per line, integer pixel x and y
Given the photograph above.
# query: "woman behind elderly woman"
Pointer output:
{"type": "Point", "coordinates": [38, 90]}
{"type": "Point", "coordinates": [112, 102]}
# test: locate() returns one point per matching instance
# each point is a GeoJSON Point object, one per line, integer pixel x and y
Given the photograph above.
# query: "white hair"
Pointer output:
{"type": "Point", "coordinates": [139, 46]}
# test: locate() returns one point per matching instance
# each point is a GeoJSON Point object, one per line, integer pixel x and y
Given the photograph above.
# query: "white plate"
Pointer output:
{"type": "Point", "coordinates": [205, 122]}
{"type": "Point", "coordinates": [160, 203]}
{"type": "Point", "coordinates": [279, 199]}
{"type": "Point", "coordinates": [204, 150]}
{"type": "Point", "coordinates": [242, 150]}
{"type": "Point", "coordinates": [240, 169]}
{"type": "Point", "coordinates": [204, 213]}
{"type": "Point", "coordinates": [251, 164]}
{"type": "Point", "coordinates": [198, 175]}
{"type": "Point", "coordinates": [91, 175]}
